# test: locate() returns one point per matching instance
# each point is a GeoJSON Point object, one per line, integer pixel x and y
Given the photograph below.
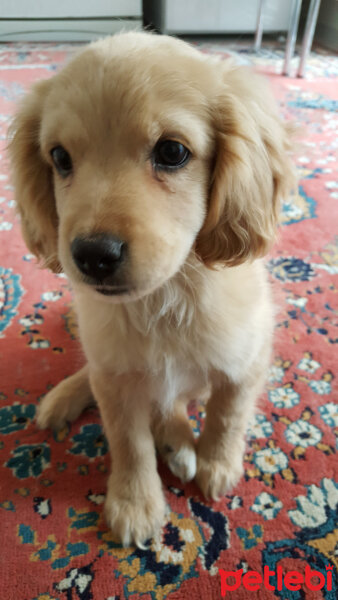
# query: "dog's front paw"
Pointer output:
{"type": "Point", "coordinates": [134, 519]}
{"type": "Point", "coordinates": [53, 411]}
{"type": "Point", "coordinates": [64, 403]}
{"type": "Point", "coordinates": [217, 477]}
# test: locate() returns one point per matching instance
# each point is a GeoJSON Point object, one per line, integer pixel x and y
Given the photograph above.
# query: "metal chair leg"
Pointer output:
{"type": "Point", "coordinates": [311, 22]}
{"type": "Point", "coordinates": [292, 35]}
{"type": "Point", "coordinates": [259, 27]}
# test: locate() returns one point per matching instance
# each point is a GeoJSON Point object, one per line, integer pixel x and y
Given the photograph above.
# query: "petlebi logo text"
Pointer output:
{"type": "Point", "coordinates": [253, 581]}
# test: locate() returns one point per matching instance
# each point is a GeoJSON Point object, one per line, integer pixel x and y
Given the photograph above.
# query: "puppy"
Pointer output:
{"type": "Point", "coordinates": [151, 175]}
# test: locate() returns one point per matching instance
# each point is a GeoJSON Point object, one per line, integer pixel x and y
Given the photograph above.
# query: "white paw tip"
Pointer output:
{"type": "Point", "coordinates": [183, 463]}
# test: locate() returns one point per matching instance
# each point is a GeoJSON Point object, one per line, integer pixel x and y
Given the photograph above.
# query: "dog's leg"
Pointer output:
{"type": "Point", "coordinates": [135, 506]}
{"type": "Point", "coordinates": [66, 401]}
{"type": "Point", "coordinates": [175, 441]}
{"type": "Point", "coordinates": [221, 446]}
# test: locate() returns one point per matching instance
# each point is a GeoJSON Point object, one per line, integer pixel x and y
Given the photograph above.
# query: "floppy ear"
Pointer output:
{"type": "Point", "coordinates": [252, 171]}
{"type": "Point", "coordinates": [32, 179]}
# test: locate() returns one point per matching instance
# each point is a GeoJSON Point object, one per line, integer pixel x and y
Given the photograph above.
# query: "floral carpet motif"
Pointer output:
{"type": "Point", "coordinates": [54, 541]}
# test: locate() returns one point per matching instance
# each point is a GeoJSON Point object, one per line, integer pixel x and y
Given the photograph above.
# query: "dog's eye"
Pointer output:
{"type": "Point", "coordinates": [169, 154]}
{"type": "Point", "coordinates": [62, 161]}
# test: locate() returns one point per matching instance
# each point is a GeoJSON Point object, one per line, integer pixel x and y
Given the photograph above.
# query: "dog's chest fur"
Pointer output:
{"type": "Point", "coordinates": [197, 323]}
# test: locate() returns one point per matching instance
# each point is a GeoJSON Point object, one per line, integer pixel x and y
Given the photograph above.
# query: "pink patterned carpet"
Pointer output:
{"type": "Point", "coordinates": [283, 513]}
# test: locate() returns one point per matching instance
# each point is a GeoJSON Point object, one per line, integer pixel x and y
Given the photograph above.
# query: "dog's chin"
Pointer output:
{"type": "Point", "coordinates": [118, 294]}
{"type": "Point", "coordinates": [112, 294]}
{"type": "Point", "coordinates": [113, 291]}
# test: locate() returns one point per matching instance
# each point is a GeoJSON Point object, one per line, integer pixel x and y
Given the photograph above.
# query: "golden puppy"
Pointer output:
{"type": "Point", "coordinates": [151, 175]}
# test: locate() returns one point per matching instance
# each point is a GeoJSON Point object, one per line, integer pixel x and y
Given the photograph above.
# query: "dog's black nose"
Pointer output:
{"type": "Point", "coordinates": [98, 256]}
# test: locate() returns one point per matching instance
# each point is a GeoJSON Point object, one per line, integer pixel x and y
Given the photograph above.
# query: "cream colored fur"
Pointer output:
{"type": "Point", "coordinates": [199, 314]}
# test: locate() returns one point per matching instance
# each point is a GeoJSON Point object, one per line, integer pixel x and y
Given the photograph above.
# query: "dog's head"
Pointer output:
{"type": "Point", "coordinates": [141, 151]}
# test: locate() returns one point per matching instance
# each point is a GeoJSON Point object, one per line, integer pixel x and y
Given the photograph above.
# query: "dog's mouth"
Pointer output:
{"type": "Point", "coordinates": [113, 291]}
